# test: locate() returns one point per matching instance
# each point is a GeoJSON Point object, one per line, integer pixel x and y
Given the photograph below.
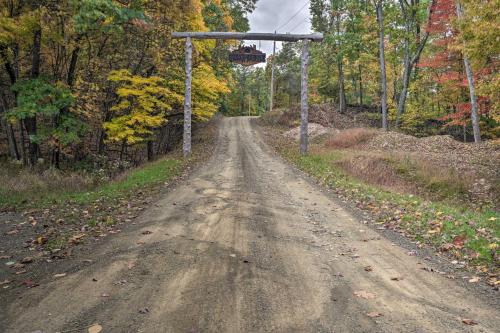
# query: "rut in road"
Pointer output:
{"type": "Point", "coordinates": [246, 244]}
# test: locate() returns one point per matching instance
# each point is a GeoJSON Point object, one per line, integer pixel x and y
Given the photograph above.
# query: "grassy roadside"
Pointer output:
{"type": "Point", "coordinates": [22, 189]}
{"type": "Point", "coordinates": [52, 219]}
{"type": "Point", "coordinates": [149, 174]}
{"type": "Point", "coordinates": [469, 236]}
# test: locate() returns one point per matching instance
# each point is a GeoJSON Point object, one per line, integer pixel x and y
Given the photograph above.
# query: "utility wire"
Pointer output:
{"type": "Point", "coordinates": [298, 25]}
{"type": "Point", "coordinates": [294, 16]}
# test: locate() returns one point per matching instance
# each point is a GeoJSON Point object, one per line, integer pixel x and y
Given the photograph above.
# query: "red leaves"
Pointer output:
{"type": "Point", "coordinates": [459, 241]}
{"type": "Point", "coordinates": [30, 284]}
{"type": "Point", "coordinates": [468, 321]}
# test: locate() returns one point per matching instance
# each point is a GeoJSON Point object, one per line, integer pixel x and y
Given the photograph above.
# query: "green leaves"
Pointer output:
{"type": "Point", "coordinates": [102, 15]}
{"type": "Point", "coordinates": [39, 97]}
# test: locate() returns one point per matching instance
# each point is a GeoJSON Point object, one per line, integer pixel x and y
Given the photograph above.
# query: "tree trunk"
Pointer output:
{"type": "Point", "coordinates": [410, 61]}
{"type": "Point", "coordinates": [72, 66]}
{"type": "Point", "coordinates": [151, 154]}
{"type": "Point", "coordinates": [360, 85]}
{"type": "Point", "coordinates": [70, 80]}
{"type": "Point", "coordinates": [23, 141]}
{"type": "Point", "coordinates": [122, 150]}
{"type": "Point", "coordinates": [383, 78]}
{"type": "Point", "coordinates": [30, 123]}
{"type": "Point", "coordinates": [474, 112]}
{"type": "Point", "coordinates": [9, 132]}
{"type": "Point", "coordinates": [7, 128]}
{"type": "Point", "coordinates": [406, 81]}
{"type": "Point", "coordinates": [342, 99]}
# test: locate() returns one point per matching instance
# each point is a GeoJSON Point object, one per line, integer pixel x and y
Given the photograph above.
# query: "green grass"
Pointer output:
{"type": "Point", "coordinates": [148, 175]}
{"type": "Point", "coordinates": [415, 214]}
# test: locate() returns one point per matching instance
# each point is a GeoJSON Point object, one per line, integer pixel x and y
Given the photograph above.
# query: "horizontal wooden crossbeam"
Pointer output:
{"type": "Point", "coordinates": [315, 37]}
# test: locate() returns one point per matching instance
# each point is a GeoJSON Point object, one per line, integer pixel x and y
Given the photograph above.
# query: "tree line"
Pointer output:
{"type": "Point", "coordinates": [84, 78]}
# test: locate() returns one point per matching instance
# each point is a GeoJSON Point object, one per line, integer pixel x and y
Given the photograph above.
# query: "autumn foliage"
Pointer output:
{"type": "Point", "coordinates": [446, 64]}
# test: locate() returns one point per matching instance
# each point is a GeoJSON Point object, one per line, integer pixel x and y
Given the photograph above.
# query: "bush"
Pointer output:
{"type": "Point", "coordinates": [350, 137]}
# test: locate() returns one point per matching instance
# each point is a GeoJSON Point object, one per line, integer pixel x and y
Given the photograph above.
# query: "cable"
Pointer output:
{"type": "Point", "coordinates": [294, 16]}
{"type": "Point", "coordinates": [298, 25]}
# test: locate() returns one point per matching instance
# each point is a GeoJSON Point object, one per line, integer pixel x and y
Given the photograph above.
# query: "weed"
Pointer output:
{"type": "Point", "coordinates": [56, 243]}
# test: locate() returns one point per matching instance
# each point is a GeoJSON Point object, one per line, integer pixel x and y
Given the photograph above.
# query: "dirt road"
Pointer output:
{"type": "Point", "coordinates": [247, 244]}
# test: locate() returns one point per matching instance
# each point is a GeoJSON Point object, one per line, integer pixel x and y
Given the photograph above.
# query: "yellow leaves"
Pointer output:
{"type": "Point", "coordinates": [207, 89]}
{"type": "Point", "coordinates": [434, 231]}
{"type": "Point", "coordinates": [143, 103]}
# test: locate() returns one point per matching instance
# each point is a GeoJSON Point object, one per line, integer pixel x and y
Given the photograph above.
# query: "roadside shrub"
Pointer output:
{"type": "Point", "coordinates": [350, 137]}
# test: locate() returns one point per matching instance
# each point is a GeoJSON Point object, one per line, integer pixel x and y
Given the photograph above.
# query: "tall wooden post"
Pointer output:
{"type": "Point", "coordinates": [186, 148]}
{"type": "Point", "coordinates": [271, 92]}
{"type": "Point", "coordinates": [304, 108]}
{"type": "Point", "coordinates": [189, 35]}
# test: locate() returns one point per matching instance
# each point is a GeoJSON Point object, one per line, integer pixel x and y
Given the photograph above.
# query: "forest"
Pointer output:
{"type": "Point", "coordinates": [83, 79]}
{"type": "Point", "coordinates": [407, 59]}
{"type": "Point", "coordinates": [102, 80]}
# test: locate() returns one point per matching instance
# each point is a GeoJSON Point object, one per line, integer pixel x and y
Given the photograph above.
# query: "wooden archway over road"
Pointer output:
{"type": "Point", "coordinates": [304, 109]}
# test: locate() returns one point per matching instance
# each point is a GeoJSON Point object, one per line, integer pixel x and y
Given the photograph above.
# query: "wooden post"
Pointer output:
{"type": "Point", "coordinates": [271, 93]}
{"type": "Point", "coordinates": [304, 108]}
{"type": "Point", "coordinates": [315, 37]}
{"type": "Point", "coordinates": [186, 148]}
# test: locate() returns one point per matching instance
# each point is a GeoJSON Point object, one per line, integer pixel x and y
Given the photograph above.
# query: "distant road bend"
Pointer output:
{"type": "Point", "coordinates": [247, 244]}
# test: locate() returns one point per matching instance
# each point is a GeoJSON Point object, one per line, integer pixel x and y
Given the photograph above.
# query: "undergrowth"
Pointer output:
{"type": "Point", "coordinates": [37, 190]}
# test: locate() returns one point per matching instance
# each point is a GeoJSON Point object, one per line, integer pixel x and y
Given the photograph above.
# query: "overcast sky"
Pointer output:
{"type": "Point", "coordinates": [273, 14]}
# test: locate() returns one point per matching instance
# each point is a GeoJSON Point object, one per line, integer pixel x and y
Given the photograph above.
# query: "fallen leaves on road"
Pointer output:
{"type": "Point", "coordinates": [30, 284]}
{"type": "Point", "coordinates": [75, 239]}
{"type": "Point", "coordinates": [5, 282]}
{"type": "Point", "coordinates": [469, 321]}
{"type": "Point", "coordinates": [27, 260]}
{"type": "Point", "coordinates": [374, 314]}
{"type": "Point", "coordinates": [368, 268]}
{"type": "Point", "coordinates": [96, 328]}
{"type": "Point", "coordinates": [365, 294]}
{"type": "Point", "coordinates": [474, 279]}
